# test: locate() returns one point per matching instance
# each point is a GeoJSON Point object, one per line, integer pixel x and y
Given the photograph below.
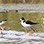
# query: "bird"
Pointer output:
{"type": "Point", "coordinates": [27, 23]}
{"type": "Point", "coordinates": [43, 19]}
{"type": "Point", "coordinates": [2, 22]}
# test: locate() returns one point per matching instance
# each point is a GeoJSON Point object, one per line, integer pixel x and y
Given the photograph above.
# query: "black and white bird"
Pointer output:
{"type": "Point", "coordinates": [2, 22]}
{"type": "Point", "coordinates": [27, 23]}
{"type": "Point", "coordinates": [43, 19]}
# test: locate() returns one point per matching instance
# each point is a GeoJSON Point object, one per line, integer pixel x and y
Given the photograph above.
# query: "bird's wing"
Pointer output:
{"type": "Point", "coordinates": [0, 21]}
{"type": "Point", "coordinates": [29, 22]}
{"type": "Point", "coordinates": [3, 20]}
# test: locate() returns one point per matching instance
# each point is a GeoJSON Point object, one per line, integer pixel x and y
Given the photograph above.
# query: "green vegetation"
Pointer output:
{"type": "Point", "coordinates": [13, 19]}
{"type": "Point", "coordinates": [22, 1]}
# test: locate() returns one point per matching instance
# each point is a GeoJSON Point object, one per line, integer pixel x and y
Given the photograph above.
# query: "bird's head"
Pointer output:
{"type": "Point", "coordinates": [22, 19]}
{"type": "Point", "coordinates": [42, 18]}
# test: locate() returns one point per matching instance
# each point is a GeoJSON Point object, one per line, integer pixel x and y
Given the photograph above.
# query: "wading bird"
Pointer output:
{"type": "Point", "coordinates": [43, 19]}
{"type": "Point", "coordinates": [2, 22]}
{"type": "Point", "coordinates": [27, 23]}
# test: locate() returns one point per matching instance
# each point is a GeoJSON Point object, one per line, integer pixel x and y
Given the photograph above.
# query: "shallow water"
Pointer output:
{"type": "Point", "coordinates": [21, 37]}
{"type": "Point", "coordinates": [14, 33]}
{"type": "Point", "coordinates": [35, 7]}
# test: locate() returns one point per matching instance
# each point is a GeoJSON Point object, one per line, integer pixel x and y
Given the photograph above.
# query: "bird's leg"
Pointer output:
{"type": "Point", "coordinates": [2, 29]}
{"type": "Point", "coordinates": [32, 29]}
{"type": "Point", "coordinates": [26, 30]}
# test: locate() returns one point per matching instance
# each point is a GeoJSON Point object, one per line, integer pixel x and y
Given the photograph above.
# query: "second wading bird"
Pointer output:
{"type": "Point", "coordinates": [43, 19]}
{"type": "Point", "coordinates": [27, 23]}
{"type": "Point", "coordinates": [2, 22]}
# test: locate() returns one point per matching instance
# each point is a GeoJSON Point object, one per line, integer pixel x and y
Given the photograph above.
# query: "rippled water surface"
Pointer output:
{"type": "Point", "coordinates": [21, 37]}
{"type": "Point", "coordinates": [14, 32]}
{"type": "Point", "coordinates": [33, 7]}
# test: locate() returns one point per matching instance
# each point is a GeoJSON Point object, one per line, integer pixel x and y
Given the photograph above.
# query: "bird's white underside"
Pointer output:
{"type": "Point", "coordinates": [25, 25]}
{"type": "Point", "coordinates": [2, 22]}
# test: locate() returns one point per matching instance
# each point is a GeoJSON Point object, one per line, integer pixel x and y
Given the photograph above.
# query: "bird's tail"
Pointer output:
{"type": "Point", "coordinates": [5, 20]}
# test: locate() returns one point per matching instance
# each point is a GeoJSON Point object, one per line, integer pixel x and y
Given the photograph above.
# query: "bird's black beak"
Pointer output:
{"type": "Point", "coordinates": [18, 21]}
